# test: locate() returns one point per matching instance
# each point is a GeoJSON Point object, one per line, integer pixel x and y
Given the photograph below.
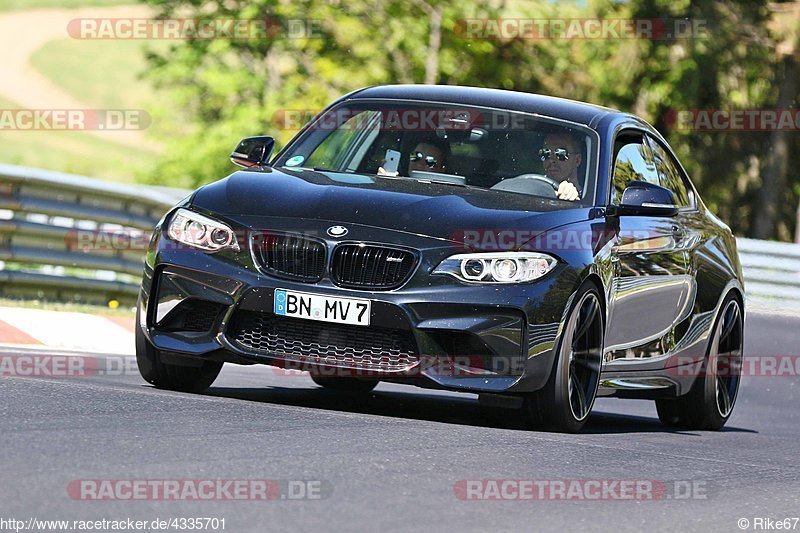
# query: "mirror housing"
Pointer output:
{"type": "Point", "coordinates": [253, 152]}
{"type": "Point", "coordinates": [641, 198]}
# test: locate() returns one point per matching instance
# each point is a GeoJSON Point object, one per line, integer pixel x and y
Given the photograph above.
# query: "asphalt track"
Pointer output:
{"type": "Point", "coordinates": [397, 459]}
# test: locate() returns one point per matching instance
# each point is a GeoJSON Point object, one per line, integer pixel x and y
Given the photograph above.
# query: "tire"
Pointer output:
{"type": "Point", "coordinates": [711, 400]}
{"type": "Point", "coordinates": [172, 377]}
{"type": "Point", "coordinates": [670, 413]}
{"type": "Point", "coordinates": [345, 384]}
{"type": "Point", "coordinates": [566, 400]}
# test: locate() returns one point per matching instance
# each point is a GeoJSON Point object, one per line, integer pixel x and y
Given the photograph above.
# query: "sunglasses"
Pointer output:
{"type": "Point", "coordinates": [429, 160]}
{"type": "Point", "coordinates": [562, 154]}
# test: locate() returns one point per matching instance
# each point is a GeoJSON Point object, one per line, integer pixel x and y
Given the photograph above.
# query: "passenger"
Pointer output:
{"type": "Point", "coordinates": [428, 156]}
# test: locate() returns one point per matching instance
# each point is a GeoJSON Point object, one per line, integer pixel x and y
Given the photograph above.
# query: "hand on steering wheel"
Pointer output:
{"type": "Point", "coordinates": [563, 191]}
{"type": "Point", "coordinates": [567, 191]}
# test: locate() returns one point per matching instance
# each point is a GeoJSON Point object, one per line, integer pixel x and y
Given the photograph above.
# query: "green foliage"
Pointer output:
{"type": "Point", "coordinates": [229, 89]}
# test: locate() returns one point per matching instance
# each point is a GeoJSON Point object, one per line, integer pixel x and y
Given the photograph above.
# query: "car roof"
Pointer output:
{"type": "Point", "coordinates": [571, 110]}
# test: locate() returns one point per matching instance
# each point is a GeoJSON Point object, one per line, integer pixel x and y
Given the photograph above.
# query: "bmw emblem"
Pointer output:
{"type": "Point", "coordinates": [337, 231]}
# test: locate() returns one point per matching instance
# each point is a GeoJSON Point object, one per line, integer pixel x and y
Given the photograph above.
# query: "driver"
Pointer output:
{"type": "Point", "coordinates": [561, 157]}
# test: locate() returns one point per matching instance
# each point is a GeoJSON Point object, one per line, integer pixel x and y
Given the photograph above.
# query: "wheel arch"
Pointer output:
{"type": "Point", "coordinates": [595, 279]}
{"type": "Point", "coordinates": [739, 294]}
{"type": "Point", "coordinates": [538, 368]}
{"type": "Point", "coordinates": [733, 288]}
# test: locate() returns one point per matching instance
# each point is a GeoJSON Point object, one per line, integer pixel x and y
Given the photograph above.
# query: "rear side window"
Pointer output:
{"type": "Point", "coordinates": [669, 174]}
{"type": "Point", "coordinates": [633, 162]}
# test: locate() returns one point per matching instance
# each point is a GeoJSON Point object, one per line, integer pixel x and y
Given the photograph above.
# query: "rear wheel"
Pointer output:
{"type": "Point", "coordinates": [345, 384]}
{"type": "Point", "coordinates": [172, 377]}
{"type": "Point", "coordinates": [566, 400]}
{"type": "Point", "coordinates": [710, 402]}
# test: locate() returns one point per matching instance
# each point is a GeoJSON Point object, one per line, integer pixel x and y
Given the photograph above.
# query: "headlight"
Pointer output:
{"type": "Point", "coordinates": [199, 231]}
{"type": "Point", "coordinates": [503, 267]}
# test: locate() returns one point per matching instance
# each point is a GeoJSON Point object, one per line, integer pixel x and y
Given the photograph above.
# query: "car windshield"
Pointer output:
{"type": "Point", "coordinates": [497, 150]}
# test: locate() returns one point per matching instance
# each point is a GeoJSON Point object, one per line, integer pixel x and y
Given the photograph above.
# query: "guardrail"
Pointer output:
{"type": "Point", "coordinates": [771, 271]}
{"type": "Point", "coordinates": [44, 219]}
{"type": "Point", "coordinates": [44, 216]}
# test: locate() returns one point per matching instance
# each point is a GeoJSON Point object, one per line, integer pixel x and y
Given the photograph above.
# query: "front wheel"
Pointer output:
{"type": "Point", "coordinates": [172, 377]}
{"type": "Point", "coordinates": [566, 400]}
{"type": "Point", "coordinates": [709, 403]}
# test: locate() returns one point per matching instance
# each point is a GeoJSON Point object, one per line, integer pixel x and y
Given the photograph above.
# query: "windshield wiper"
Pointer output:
{"type": "Point", "coordinates": [322, 169]}
{"type": "Point", "coordinates": [442, 182]}
{"type": "Point", "coordinates": [315, 169]}
{"type": "Point", "coordinates": [348, 172]}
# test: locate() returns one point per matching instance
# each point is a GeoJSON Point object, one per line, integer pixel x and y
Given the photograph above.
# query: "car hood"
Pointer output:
{"type": "Point", "coordinates": [400, 204]}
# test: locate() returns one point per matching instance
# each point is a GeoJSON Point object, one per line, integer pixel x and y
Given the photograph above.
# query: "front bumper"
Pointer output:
{"type": "Point", "coordinates": [465, 337]}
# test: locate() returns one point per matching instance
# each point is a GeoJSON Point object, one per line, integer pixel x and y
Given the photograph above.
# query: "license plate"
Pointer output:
{"type": "Point", "coordinates": [353, 311]}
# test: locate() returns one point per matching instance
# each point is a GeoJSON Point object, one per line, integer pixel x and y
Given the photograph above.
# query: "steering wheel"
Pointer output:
{"type": "Point", "coordinates": [535, 184]}
{"type": "Point", "coordinates": [538, 177]}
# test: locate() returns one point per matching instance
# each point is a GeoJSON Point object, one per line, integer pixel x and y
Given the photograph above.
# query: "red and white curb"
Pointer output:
{"type": "Point", "coordinates": [66, 331]}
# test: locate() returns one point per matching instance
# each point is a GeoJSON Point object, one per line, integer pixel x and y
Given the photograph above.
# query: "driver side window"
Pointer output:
{"type": "Point", "coordinates": [633, 162]}
{"type": "Point", "coordinates": [671, 177]}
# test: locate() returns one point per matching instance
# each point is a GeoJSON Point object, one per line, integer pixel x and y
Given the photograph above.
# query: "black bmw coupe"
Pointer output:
{"type": "Point", "coordinates": [537, 251]}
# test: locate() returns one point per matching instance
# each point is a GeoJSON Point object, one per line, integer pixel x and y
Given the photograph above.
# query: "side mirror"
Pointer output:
{"type": "Point", "coordinates": [641, 198]}
{"type": "Point", "coordinates": [253, 152]}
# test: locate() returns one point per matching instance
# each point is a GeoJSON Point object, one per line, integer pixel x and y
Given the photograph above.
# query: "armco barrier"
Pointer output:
{"type": "Point", "coordinates": [771, 270]}
{"type": "Point", "coordinates": [41, 210]}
